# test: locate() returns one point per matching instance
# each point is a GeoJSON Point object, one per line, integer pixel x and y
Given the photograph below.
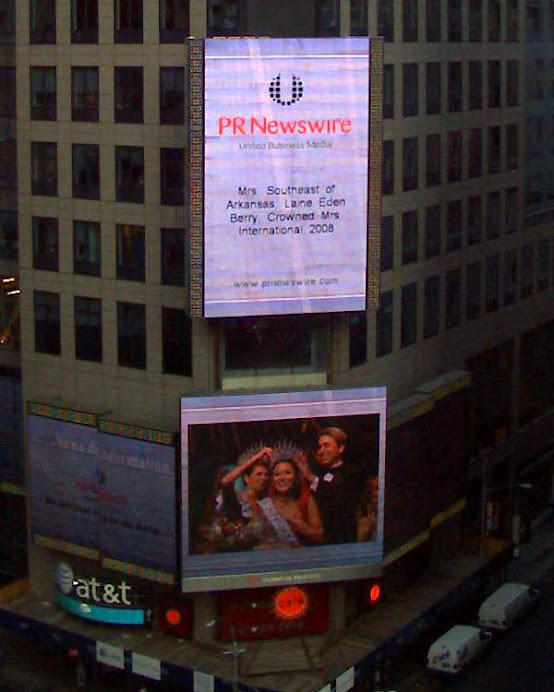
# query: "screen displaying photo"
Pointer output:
{"type": "Point", "coordinates": [274, 483]}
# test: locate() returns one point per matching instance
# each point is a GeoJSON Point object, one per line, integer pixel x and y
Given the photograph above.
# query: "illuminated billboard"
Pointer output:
{"type": "Point", "coordinates": [286, 175]}
{"type": "Point", "coordinates": [282, 488]}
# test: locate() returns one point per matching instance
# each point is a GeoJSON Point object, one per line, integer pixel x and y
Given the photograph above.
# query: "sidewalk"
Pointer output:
{"type": "Point", "coordinates": [295, 664]}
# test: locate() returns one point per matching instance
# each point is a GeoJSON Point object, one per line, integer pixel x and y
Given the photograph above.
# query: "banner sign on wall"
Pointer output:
{"type": "Point", "coordinates": [286, 175]}
{"type": "Point", "coordinates": [108, 493]}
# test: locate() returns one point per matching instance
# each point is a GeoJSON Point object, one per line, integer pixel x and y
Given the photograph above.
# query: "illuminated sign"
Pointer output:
{"type": "Point", "coordinates": [291, 603]}
{"type": "Point", "coordinates": [282, 489]}
{"type": "Point", "coordinates": [92, 599]}
{"type": "Point", "coordinates": [286, 175]}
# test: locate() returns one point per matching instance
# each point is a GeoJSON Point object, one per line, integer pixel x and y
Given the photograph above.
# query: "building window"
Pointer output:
{"type": "Point", "coordinates": [388, 167]}
{"type": "Point", "coordinates": [387, 243]}
{"type": "Point", "coordinates": [47, 322]}
{"type": "Point", "coordinates": [44, 168]}
{"type": "Point", "coordinates": [534, 19]}
{"type": "Point", "coordinates": [433, 87]}
{"type": "Point", "coordinates": [512, 83]}
{"type": "Point", "coordinates": [45, 243]}
{"type": "Point", "coordinates": [128, 21]}
{"type": "Point", "coordinates": [454, 225]}
{"type": "Point", "coordinates": [543, 263]}
{"type": "Point", "coordinates": [172, 95]}
{"type": "Point", "coordinates": [84, 94]}
{"type": "Point", "coordinates": [172, 176]}
{"type": "Point", "coordinates": [408, 314]}
{"type": "Point", "coordinates": [473, 291]}
{"type": "Point", "coordinates": [42, 18]}
{"type": "Point", "coordinates": [224, 17]}
{"type": "Point", "coordinates": [383, 327]}
{"type": "Point", "coordinates": [173, 256]}
{"type": "Point", "coordinates": [493, 215]}
{"type": "Point", "coordinates": [88, 328]}
{"type": "Point", "coordinates": [432, 160]}
{"type": "Point", "coordinates": [409, 163]}
{"type": "Point", "coordinates": [358, 18]}
{"type": "Point", "coordinates": [327, 18]}
{"type": "Point", "coordinates": [512, 20]}
{"type": "Point", "coordinates": [512, 210]}
{"type": "Point", "coordinates": [474, 220]}
{"type": "Point", "coordinates": [86, 171]}
{"type": "Point", "coordinates": [454, 18]}
{"type": "Point", "coordinates": [86, 248]}
{"type": "Point", "coordinates": [492, 274]}
{"type": "Point", "coordinates": [177, 340]}
{"type": "Point", "coordinates": [454, 86]}
{"type": "Point", "coordinates": [432, 231]}
{"type": "Point", "coordinates": [433, 21]}
{"type": "Point", "coordinates": [174, 21]}
{"type": "Point", "coordinates": [452, 298]}
{"type": "Point", "coordinates": [388, 91]}
{"type": "Point", "coordinates": [454, 156]}
{"type": "Point", "coordinates": [494, 20]}
{"type": "Point", "coordinates": [409, 20]}
{"type": "Point", "coordinates": [131, 335]}
{"type": "Point", "coordinates": [527, 270]}
{"type": "Point", "coordinates": [475, 153]}
{"type": "Point", "coordinates": [409, 89]}
{"type": "Point", "coordinates": [129, 174]}
{"type": "Point", "coordinates": [357, 332]}
{"type": "Point", "coordinates": [43, 93]}
{"type": "Point", "coordinates": [512, 146]}
{"type": "Point", "coordinates": [409, 237]}
{"type": "Point", "coordinates": [84, 21]}
{"type": "Point", "coordinates": [534, 79]}
{"type": "Point", "coordinates": [510, 276]}
{"type": "Point", "coordinates": [431, 308]}
{"type": "Point", "coordinates": [128, 95]}
{"type": "Point", "coordinates": [130, 252]}
{"type": "Point", "coordinates": [494, 84]}
{"type": "Point", "coordinates": [475, 20]}
{"type": "Point", "coordinates": [8, 234]}
{"type": "Point", "coordinates": [475, 85]}
{"type": "Point", "coordinates": [494, 150]}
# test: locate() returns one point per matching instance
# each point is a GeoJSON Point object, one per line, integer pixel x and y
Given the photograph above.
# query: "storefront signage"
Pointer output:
{"type": "Point", "coordinates": [93, 599]}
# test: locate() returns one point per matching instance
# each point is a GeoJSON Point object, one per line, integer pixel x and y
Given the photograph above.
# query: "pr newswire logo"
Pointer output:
{"type": "Point", "coordinates": [295, 90]}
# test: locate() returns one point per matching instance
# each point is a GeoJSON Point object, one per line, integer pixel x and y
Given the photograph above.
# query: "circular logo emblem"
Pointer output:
{"type": "Point", "coordinates": [291, 603]}
{"type": "Point", "coordinates": [286, 94]}
{"type": "Point", "coordinates": [64, 577]}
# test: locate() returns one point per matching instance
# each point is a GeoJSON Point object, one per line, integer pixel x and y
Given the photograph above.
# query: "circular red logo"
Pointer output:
{"type": "Point", "coordinates": [291, 603]}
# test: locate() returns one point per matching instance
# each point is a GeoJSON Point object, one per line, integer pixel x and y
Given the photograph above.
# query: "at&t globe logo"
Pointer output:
{"type": "Point", "coordinates": [64, 578]}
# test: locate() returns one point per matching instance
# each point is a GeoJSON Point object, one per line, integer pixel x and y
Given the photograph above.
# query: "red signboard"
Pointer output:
{"type": "Point", "coordinates": [261, 613]}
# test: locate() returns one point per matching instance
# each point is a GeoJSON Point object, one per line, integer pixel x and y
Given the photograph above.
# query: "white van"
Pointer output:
{"type": "Point", "coordinates": [508, 603]}
{"type": "Point", "coordinates": [456, 649]}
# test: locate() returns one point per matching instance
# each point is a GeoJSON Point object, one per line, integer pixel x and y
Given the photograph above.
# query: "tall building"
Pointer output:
{"type": "Point", "coordinates": [462, 339]}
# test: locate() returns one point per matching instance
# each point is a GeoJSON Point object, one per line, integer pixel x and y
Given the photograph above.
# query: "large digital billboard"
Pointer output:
{"type": "Point", "coordinates": [282, 488]}
{"type": "Point", "coordinates": [286, 175]}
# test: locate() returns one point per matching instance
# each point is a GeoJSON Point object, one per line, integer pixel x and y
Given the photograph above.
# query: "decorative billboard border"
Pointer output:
{"type": "Point", "coordinates": [195, 65]}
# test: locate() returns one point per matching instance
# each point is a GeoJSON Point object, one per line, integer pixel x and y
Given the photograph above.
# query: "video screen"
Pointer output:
{"type": "Point", "coordinates": [282, 487]}
{"type": "Point", "coordinates": [286, 157]}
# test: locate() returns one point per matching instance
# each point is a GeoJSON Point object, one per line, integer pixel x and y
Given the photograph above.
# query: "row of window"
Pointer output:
{"type": "Point", "coordinates": [463, 220]}
{"type": "Point", "coordinates": [455, 73]}
{"type": "Point", "coordinates": [481, 286]}
{"type": "Point", "coordinates": [130, 250]}
{"type": "Point", "coordinates": [128, 21]}
{"type": "Point", "coordinates": [131, 332]}
{"type": "Point", "coordinates": [476, 163]}
{"type": "Point", "coordinates": [129, 172]}
{"type": "Point", "coordinates": [128, 85]}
